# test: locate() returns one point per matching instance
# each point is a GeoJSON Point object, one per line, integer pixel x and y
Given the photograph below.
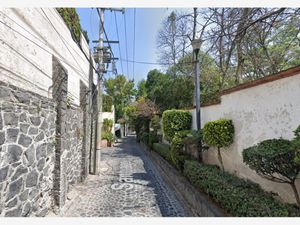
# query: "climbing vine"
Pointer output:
{"type": "Point", "coordinates": [72, 21]}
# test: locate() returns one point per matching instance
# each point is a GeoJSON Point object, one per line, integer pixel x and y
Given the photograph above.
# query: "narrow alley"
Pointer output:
{"type": "Point", "coordinates": [129, 185]}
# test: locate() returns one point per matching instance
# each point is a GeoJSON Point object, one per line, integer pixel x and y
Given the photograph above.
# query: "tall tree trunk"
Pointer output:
{"type": "Point", "coordinates": [295, 192]}
{"type": "Point", "coordinates": [220, 158]}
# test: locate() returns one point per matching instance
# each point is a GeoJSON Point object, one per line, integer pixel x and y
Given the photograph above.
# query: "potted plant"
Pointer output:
{"type": "Point", "coordinates": [109, 137]}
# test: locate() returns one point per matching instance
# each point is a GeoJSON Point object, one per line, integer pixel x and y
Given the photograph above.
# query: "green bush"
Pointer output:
{"type": "Point", "coordinates": [177, 155]}
{"type": "Point", "coordinates": [107, 125]}
{"type": "Point", "coordinates": [163, 150]}
{"type": "Point", "coordinates": [71, 19]}
{"type": "Point", "coordinates": [195, 136]}
{"type": "Point", "coordinates": [107, 103]}
{"type": "Point", "coordinates": [219, 133]}
{"type": "Point", "coordinates": [145, 138]}
{"type": "Point", "coordinates": [237, 196]}
{"type": "Point", "coordinates": [296, 145]}
{"type": "Point", "coordinates": [175, 120]}
{"type": "Point", "coordinates": [273, 159]}
{"type": "Point", "coordinates": [155, 123]}
{"type": "Point", "coordinates": [153, 138]}
{"type": "Point", "coordinates": [107, 136]}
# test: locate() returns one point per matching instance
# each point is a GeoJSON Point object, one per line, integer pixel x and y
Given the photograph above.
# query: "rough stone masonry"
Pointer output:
{"type": "Point", "coordinates": [44, 147]}
{"type": "Point", "coordinates": [27, 136]}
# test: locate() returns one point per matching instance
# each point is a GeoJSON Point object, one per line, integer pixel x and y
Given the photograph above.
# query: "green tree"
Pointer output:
{"type": "Point", "coordinates": [121, 91]}
{"type": "Point", "coordinates": [166, 90]}
{"type": "Point", "coordinates": [141, 89]}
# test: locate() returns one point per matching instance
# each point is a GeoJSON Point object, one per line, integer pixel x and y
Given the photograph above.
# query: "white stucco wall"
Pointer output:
{"type": "Point", "coordinates": [26, 53]}
{"type": "Point", "coordinates": [110, 116]}
{"type": "Point", "coordinates": [269, 110]}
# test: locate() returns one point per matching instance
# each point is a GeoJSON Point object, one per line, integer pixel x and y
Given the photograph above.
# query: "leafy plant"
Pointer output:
{"type": "Point", "coordinates": [273, 159]}
{"type": "Point", "coordinates": [175, 120]}
{"type": "Point", "coordinates": [163, 150]}
{"type": "Point", "coordinates": [219, 133]}
{"type": "Point", "coordinates": [108, 136]}
{"type": "Point", "coordinates": [153, 138]}
{"type": "Point", "coordinates": [107, 125]}
{"type": "Point", "coordinates": [237, 196]}
{"type": "Point", "coordinates": [296, 145]}
{"type": "Point", "coordinates": [71, 19]}
{"type": "Point", "coordinates": [177, 155]}
{"type": "Point", "coordinates": [107, 103]}
{"type": "Point", "coordinates": [145, 137]}
{"type": "Point", "coordinates": [155, 123]}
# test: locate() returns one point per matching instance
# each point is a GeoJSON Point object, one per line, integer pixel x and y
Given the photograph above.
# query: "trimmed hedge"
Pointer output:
{"type": "Point", "coordinates": [273, 156]}
{"type": "Point", "coordinates": [175, 120]}
{"type": "Point", "coordinates": [177, 155]}
{"type": "Point", "coordinates": [273, 159]}
{"type": "Point", "coordinates": [237, 196]}
{"type": "Point", "coordinates": [218, 133]}
{"type": "Point", "coordinates": [163, 150]}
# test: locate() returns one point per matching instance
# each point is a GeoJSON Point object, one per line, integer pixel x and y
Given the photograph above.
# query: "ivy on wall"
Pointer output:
{"type": "Point", "coordinates": [72, 21]}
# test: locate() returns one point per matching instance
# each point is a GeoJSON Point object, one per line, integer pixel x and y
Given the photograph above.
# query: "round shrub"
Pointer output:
{"type": "Point", "coordinates": [273, 159]}
{"type": "Point", "coordinates": [218, 133]}
{"type": "Point", "coordinates": [175, 120]}
{"type": "Point", "coordinates": [272, 156]}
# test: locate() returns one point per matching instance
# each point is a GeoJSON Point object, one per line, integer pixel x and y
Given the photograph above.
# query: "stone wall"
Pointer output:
{"type": "Point", "coordinates": [74, 139]}
{"type": "Point", "coordinates": [27, 136]}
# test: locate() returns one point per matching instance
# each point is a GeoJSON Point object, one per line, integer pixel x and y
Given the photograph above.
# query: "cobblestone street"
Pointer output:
{"type": "Point", "coordinates": [129, 185]}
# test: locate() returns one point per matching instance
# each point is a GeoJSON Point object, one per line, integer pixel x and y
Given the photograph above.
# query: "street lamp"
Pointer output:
{"type": "Point", "coordinates": [196, 43]}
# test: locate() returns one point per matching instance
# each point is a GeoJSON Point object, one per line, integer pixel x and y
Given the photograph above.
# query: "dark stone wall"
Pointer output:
{"type": "Point", "coordinates": [45, 146]}
{"type": "Point", "coordinates": [72, 147]}
{"type": "Point", "coordinates": [27, 138]}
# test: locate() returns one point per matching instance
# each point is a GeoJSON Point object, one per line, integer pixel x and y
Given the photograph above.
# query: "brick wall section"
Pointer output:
{"type": "Point", "coordinates": [27, 136]}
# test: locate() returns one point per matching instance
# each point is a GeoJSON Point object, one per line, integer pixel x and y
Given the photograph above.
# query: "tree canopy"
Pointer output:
{"type": "Point", "coordinates": [121, 91]}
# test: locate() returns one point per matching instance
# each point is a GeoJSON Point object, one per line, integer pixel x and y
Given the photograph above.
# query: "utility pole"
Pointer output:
{"type": "Point", "coordinates": [101, 58]}
{"type": "Point", "coordinates": [100, 84]}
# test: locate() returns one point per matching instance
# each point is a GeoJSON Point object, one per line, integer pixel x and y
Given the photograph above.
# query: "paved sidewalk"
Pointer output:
{"type": "Point", "coordinates": [129, 185]}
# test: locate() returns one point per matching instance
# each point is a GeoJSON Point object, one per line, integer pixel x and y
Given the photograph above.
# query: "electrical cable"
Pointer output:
{"type": "Point", "coordinates": [119, 45]}
{"type": "Point", "coordinates": [126, 44]}
{"type": "Point", "coordinates": [62, 39]}
{"type": "Point", "coordinates": [133, 41]}
{"type": "Point", "coordinates": [45, 43]}
{"type": "Point", "coordinates": [102, 24]}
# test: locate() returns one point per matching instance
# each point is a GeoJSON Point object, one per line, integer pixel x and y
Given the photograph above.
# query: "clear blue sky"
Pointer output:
{"type": "Point", "coordinates": [148, 22]}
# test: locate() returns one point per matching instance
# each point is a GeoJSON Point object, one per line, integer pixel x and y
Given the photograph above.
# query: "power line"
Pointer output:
{"type": "Point", "coordinates": [133, 41]}
{"type": "Point", "coordinates": [126, 44]}
{"type": "Point", "coordinates": [62, 39]}
{"type": "Point", "coordinates": [152, 63]}
{"type": "Point", "coordinates": [119, 45]}
{"type": "Point", "coordinates": [45, 43]}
